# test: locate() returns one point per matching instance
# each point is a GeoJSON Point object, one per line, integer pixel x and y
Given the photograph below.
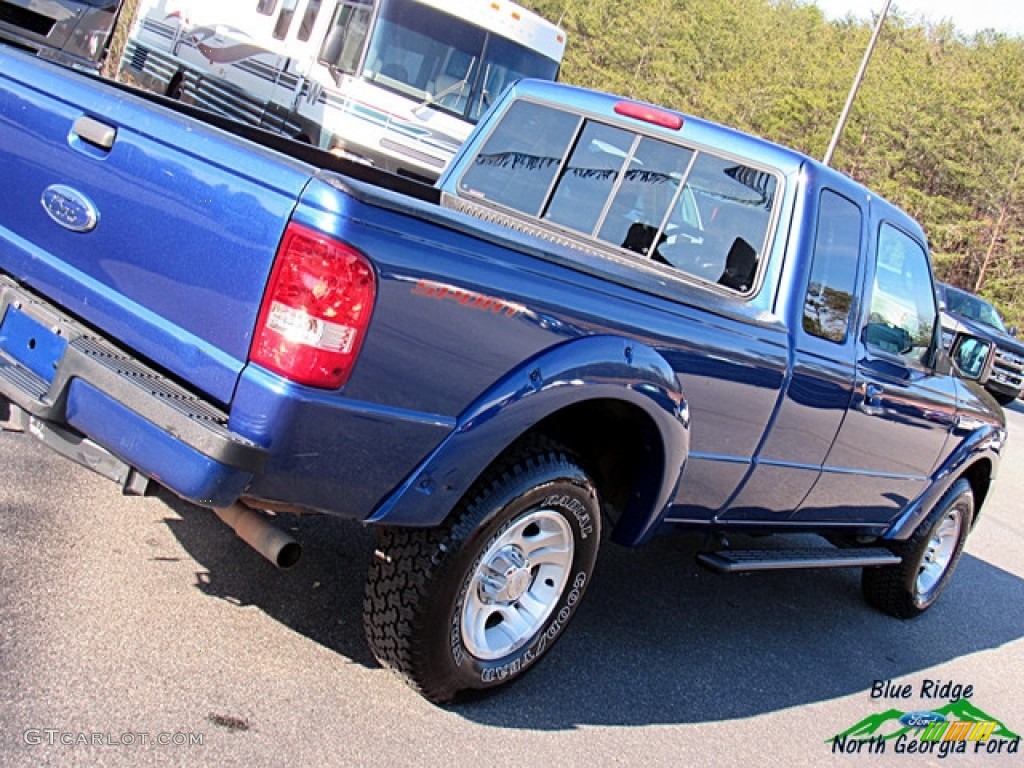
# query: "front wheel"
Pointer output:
{"type": "Point", "coordinates": [476, 603]}
{"type": "Point", "coordinates": [929, 558]}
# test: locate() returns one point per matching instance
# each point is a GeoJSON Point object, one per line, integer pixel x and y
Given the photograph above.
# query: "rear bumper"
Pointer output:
{"type": "Point", "coordinates": [71, 381]}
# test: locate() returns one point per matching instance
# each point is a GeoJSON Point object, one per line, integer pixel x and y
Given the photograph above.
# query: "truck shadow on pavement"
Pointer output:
{"type": "Point", "coordinates": [657, 639]}
{"type": "Point", "coordinates": [321, 597]}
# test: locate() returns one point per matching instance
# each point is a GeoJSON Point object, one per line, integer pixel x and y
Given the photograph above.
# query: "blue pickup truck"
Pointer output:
{"type": "Point", "coordinates": [605, 320]}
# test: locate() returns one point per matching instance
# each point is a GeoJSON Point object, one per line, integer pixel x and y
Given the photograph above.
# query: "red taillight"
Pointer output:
{"type": "Point", "coordinates": [650, 114]}
{"type": "Point", "coordinates": [316, 309]}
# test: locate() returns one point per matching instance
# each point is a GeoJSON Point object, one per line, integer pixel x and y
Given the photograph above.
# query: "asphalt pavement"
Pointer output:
{"type": "Point", "coordinates": [141, 631]}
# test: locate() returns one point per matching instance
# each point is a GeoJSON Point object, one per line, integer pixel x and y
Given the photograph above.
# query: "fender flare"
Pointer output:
{"type": "Point", "coordinates": [985, 443]}
{"type": "Point", "coordinates": [579, 370]}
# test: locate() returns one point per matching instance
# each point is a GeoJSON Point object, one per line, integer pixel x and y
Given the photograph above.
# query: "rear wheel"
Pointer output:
{"type": "Point", "coordinates": [930, 557]}
{"type": "Point", "coordinates": [476, 603]}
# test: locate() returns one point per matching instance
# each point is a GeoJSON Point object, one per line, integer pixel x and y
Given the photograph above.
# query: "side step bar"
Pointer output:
{"type": "Point", "coordinates": [740, 560]}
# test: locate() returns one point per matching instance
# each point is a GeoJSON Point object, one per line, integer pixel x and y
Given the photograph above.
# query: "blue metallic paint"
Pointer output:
{"type": "Point", "coordinates": [586, 369]}
{"type": "Point", "coordinates": [177, 265]}
{"type": "Point", "coordinates": [976, 440]}
{"type": "Point", "coordinates": [327, 452]}
{"type": "Point", "coordinates": [30, 343]}
{"type": "Point", "coordinates": [442, 386]}
{"type": "Point", "coordinates": [157, 453]}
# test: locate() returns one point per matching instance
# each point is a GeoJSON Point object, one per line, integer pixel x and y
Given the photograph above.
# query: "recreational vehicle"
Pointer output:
{"type": "Point", "coordinates": [393, 83]}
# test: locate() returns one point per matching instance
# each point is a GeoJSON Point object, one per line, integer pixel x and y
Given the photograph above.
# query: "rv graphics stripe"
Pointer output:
{"type": "Point", "coordinates": [160, 30]}
{"type": "Point", "coordinates": [391, 122]}
{"type": "Point", "coordinates": [224, 54]}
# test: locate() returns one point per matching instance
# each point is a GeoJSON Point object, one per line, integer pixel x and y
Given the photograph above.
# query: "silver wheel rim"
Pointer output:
{"type": "Point", "coordinates": [938, 554]}
{"type": "Point", "coordinates": [517, 584]}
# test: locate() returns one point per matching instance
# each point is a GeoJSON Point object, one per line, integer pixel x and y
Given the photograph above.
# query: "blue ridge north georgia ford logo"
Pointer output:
{"type": "Point", "coordinates": [956, 727]}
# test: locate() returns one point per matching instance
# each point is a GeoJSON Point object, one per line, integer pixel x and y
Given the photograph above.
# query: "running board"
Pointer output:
{"type": "Point", "coordinates": [738, 560]}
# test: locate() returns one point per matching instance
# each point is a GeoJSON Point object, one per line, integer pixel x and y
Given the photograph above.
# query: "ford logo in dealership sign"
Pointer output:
{"type": "Point", "coordinates": [921, 719]}
{"type": "Point", "coordinates": [69, 208]}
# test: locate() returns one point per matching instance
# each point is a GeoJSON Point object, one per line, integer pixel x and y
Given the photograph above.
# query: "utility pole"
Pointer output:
{"type": "Point", "coordinates": [856, 85]}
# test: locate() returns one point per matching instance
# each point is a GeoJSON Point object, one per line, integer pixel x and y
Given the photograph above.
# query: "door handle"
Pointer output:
{"type": "Point", "coordinates": [873, 394]}
{"type": "Point", "coordinates": [92, 131]}
{"type": "Point", "coordinates": [872, 402]}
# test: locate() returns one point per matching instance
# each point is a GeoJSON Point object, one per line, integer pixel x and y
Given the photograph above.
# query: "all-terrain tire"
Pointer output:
{"type": "Point", "coordinates": [475, 603]}
{"type": "Point", "coordinates": [930, 557]}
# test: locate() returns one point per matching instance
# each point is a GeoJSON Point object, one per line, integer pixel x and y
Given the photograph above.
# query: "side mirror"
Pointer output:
{"type": "Point", "coordinates": [972, 358]}
{"type": "Point", "coordinates": [1012, 330]}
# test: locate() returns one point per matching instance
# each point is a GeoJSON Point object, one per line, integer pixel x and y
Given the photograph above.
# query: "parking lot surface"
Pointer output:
{"type": "Point", "coordinates": [143, 632]}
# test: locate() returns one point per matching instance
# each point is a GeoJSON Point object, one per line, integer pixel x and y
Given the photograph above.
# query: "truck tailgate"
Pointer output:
{"type": "Point", "coordinates": [132, 218]}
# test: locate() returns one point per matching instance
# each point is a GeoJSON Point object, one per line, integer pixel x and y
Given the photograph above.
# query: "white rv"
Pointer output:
{"type": "Point", "coordinates": [394, 83]}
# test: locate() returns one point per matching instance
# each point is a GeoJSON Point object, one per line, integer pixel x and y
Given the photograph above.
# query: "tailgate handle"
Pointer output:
{"type": "Point", "coordinates": [94, 132]}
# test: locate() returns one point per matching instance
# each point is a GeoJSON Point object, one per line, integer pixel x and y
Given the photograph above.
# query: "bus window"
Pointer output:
{"type": "Point", "coordinates": [284, 19]}
{"type": "Point", "coordinates": [266, 7]}
{"type": "Point", "coordinates": [410, 44]}
{"type": "Point", "coordinates": [429, 55]}
{"type": "Point", "coordinates": [309, 19]}
{"type": "Point", "coordinates": [345, 40]}
{"type": "Point", "coordinates": [506, 62]}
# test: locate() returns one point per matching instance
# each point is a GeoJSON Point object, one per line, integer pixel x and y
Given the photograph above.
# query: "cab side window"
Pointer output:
{"type": "Point", "coordinates": [830, 291]}
{"type": "Point", "coordinates": [901, 319]}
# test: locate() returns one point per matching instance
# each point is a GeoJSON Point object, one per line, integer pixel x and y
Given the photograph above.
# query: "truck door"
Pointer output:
{"type": "Point", "coordinates": [811, 413]}
{"type": "Point", "coordinates": [901, 412]}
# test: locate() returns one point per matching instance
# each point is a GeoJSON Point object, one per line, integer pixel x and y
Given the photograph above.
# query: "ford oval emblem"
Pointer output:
{"type": "Point", "coordinates": [70, 208]}
{"type": "Point", "coordinates": [921, 719]}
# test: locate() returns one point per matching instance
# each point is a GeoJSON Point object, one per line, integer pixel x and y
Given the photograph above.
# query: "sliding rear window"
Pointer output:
{"type": "Point", "coordinates": [686, 208]}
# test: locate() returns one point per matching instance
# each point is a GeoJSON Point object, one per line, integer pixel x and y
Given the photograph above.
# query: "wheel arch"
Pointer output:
{"type": "Point", "coordinates": [979, 473]}
{"type": "Point", "coordinates": [626, 455]}
{"type": "Point", "coordinates": [615, 403]}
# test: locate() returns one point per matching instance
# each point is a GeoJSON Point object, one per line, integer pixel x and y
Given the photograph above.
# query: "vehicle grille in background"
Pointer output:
{"type": "Point", "coordinates": [1008, 368]}
{"type": "Point", "coordinates": [34, 22]}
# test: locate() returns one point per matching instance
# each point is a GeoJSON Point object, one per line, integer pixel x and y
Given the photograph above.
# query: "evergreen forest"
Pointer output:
{"type": "Point", "coordinates": [937, 126]}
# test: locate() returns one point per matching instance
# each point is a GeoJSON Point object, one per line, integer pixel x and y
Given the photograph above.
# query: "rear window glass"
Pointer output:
{"type": "Point", "coordinates": [521, 158]}
{"type": "Point", "coordinates": [694, 211]}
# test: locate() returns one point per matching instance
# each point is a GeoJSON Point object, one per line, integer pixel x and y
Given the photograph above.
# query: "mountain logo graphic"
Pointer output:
{"type": "Point", "coordinates": [930, 725]}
